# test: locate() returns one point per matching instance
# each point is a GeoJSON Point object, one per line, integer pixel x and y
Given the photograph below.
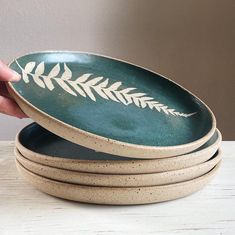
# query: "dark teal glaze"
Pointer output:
{"type": "Point", "coordinates": [40, 140]}
{"type": "Point", "coordinates": [114, 120]}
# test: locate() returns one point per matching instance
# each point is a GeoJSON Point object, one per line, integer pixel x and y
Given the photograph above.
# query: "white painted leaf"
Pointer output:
{"type": "Point", "coordinates": [143, 104]}
{"type": "Point", "coordinates": [67, 74]}
{"type": "Point", "coordinates": [55, 71]}
{"type": "Point", "coordinates": [104, 83]}
{"type": "Point", "coordinates": [40, 69]}
{"type": "Point", "coordinates": [29, 67]}
{"type": "Point", "coordinates": [191, 114]}
{"type": "Point", "coordinates": [151, 106]}
{"type": "Point", "coordinates": [65, 86]}
{"type": "Point", "coordinates": [120, 97]}
{"type": "Point", "coordinates": [38, 81]}
{"type": "Point", "coordinates": [136, 95]}
{"type": "Point", "coordinates": [153, 102]}
{"type": "Point", "coordinates": [83, 78]}
{"type": "Point", "coordinates": [157, 108]}
{"type": "Point", "coordinates": [115, 86]}
{"type": "Point", "coordinates": [25, 77]}
{"type": "Point", "coordinates": [159, 105]}
{"type": "Point", "coordinates": [171, 111]}
{"type": "Point", "coordinates": [126, 90]}
{"type": "Point", "coordinates": [100, 92]}
{"type": "Point", "coordinates": [110, 95]}
{"type": "Point", "coordinates": [164, 108]}
{"type": "Point", "coordinates": [77, 88]}
{"type": "Point", "coordinates": [88, 91]}
{"type": "Point", "coordinates": [146, 98]}
{"type": "Point", "coordinates": [128, 98]}
{"type": "Point", "coordinates": [94, 81]}
{"type": "Point", "coordinates": [48, 83]}
{"type": "Point", "coordinates": [136, 101]}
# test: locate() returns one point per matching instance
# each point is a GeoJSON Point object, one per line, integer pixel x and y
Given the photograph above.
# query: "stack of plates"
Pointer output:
{"type": "Point", "coordinates": [110, 132]}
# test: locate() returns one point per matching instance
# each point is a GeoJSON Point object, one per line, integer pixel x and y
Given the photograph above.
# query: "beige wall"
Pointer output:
{"type": "Point", "coordinates": [190, 41]}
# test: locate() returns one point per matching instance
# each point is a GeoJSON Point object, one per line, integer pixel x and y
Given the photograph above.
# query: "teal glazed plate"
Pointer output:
{"type": "Point", "coordinates": [42, 146]}
{"type": "Point", "coordinates": [110, 105]}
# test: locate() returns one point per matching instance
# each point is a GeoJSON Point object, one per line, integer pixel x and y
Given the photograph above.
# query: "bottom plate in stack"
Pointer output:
{"type": "Point", "coordinates": [116, 195]}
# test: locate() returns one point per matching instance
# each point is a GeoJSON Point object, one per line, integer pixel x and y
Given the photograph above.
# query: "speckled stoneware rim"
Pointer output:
{"type": "Point", "coordinates": [116, 195]}
{"type": "Point", "coordinates": [104, 144]}
{"type": "Point", "coordinates": [134, 166]}
{"type": "Point", "coordinates": [108, 180]}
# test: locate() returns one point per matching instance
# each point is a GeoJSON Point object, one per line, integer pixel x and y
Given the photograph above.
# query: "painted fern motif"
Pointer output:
{"type": "Point", "coordinates": [87, 86]}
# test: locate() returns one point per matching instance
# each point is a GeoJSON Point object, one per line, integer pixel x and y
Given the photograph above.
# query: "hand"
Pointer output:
{"type": "Point", "coordinates": [7, 104]}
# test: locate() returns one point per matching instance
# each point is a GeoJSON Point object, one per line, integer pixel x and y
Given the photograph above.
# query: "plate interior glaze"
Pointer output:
{"type": "Point", "coordinates": [111, 98]}
{"type": "Point", "coordinates": [40, 140]}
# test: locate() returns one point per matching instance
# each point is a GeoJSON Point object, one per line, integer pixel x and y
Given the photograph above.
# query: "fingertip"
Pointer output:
{"type": "Point", "coordinates": [7, 74]}
{"type": "Point", "coordinates": [15, 76]}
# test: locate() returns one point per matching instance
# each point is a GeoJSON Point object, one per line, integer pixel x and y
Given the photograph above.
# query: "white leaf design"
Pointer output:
{"type": "Point", "coordinates": [29, 67]}
{"type": "Point", "coordinates": [126, 90]}
{"type": "Point", "coordinates": [40, 69]}
{"type": "Point", "coordinates": [136, 95]}
{"type": "Point", "coordinates": [54, 72]}
{"type": "Point", "coordinates": [103, 84]}
{"type": "Point", "coordinates": [147, 98]}
{"type": "Point", "coordinates": [62, 83]}
{"type": "Point", "coordinates": [49, 83]}
{"type": "Point", "coordinates": [88, 91]}
{"type": "Point", "coordinates": [67, 74]}
{"type": "Point", "coordinates": [136, 101]}
{"type": "Point", "coordinates": [83, 78]}
{"type": "Point", "coordinates": [115, 86]}
{"type": "Point", "coordinates": [77, 88]}
{"type": "Point", "coordinates": [94, 81]}
{"type": "Point", "coordinates": [110, 95]}
{"type": "Point", "coordinates": [38, 81]}
{"type": "Point", "coordinates": [143, 104]}
{"type": "Point", "coordinates": [120, 97]}
{"type": "Point", "coordinates": [25, 77]}
{"type": "Point", "coordinates": [38, 72]}
{"type": "Point", "coordinates": [84, 85]}
{"type": "Point", "coordinates": [100, 92]}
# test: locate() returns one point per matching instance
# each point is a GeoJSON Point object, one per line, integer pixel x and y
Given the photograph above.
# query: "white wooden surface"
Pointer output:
{"type": "Point", "coordinates": [24, 210]}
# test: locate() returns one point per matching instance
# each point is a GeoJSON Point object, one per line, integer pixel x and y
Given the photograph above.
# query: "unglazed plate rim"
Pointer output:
{"type": "Point", "coordinates": [121, 180]}
{"type": "Point", "coordinates": [20, 146]}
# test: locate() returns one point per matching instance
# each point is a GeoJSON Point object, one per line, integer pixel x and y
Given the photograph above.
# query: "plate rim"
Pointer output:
{"type": "Point", "coordinates": [86, 193]}
{"type": "Point", "coordinates": [18, 143]}
{"type": "Point", "coordinates": [108, 145]}
{"type": "Point", "coordinates": [120, 180]}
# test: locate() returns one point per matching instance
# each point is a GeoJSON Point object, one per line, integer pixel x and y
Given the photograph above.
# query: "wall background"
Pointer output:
{"type": "Point", "coordinates": [190, 41]}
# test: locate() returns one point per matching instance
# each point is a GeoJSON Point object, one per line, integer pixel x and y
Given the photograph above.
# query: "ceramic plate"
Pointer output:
{"type": "Point", "coordinates": [116, 195]}
{"type": "Point", "coordinates": [138, 180]}
{"type": "Point", "coordinates": [41, 146]}
{"type": "Point", "coordinates": [109, 105]}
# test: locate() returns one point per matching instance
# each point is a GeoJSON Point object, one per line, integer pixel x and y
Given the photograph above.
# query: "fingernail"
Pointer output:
{"type": "Point", "coordinates": [15, 76]}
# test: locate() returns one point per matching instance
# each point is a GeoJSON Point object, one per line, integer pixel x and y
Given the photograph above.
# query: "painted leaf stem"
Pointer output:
{"type": "Point", "coordinates": [89, 86]}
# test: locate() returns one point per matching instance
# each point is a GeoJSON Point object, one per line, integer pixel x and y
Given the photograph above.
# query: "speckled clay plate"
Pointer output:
{"type": "Point", "coordinates": [41, 146]}
{"type": "Point", "coordinates": [109, 105]}
{"type": "Point", "coordinates": [116, 195]}
{"type": "Point", "coordinates": [138, 180]}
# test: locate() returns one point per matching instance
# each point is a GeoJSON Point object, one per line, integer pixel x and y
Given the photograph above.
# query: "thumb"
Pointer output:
{"type": "Point", "coordinates": [8, 75]}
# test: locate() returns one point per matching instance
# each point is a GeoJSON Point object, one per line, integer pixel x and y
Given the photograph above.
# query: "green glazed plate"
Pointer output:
{"type": "Point", "coordinates": [42, 146]}
{"type": "Point", "coordinates": [110, 105]}
{"type": "Point", "coordinates": [39, 140]}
